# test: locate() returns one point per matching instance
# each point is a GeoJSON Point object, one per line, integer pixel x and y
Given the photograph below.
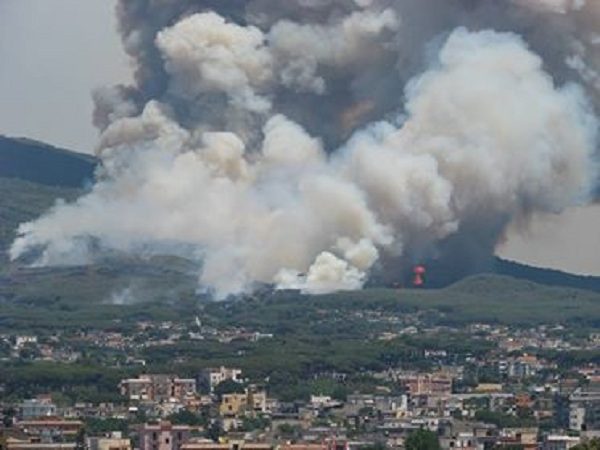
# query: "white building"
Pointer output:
{"type": "Point", "coordinates": [214, 376]}
{"type": "Point", "coordinates": [584, 409]}
{"type": "Point", "coordinates": [556, 442]}
{"type": "Point", "coordinates": [21, 341]}
{"type": "Point", "coordinates": [37, 407]}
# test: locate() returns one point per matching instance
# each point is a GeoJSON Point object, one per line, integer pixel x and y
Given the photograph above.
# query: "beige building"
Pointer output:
{"type": "Point", "coordinates": [253, 401]}
{"type": "Point", "coordinates": [158, 388]}
{"type": "Point", "coordinates": [233, 404]}
{"type": "Point", "coordinates": [231, 445]}
{"type": "Point", "coordinates": [427, 384]}
{"type": "Point", "coordinates": [164, 436]}
{"type": "Point", "coordinates": [113, 442]}
{"type": "Point", "coordinates": [17, 444]}
{"type": "Point", "coordinates": [50, 427]}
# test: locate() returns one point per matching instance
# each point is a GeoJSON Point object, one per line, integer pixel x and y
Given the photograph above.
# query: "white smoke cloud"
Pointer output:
{"type": "Point", "coordinates": [484, 133]}
{"type": "Point", "coordinates": [204, 53]}
{"type": "Point", "coordinates": [328, 273]}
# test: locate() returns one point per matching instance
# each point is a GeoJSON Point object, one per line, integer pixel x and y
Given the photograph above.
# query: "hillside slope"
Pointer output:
{"type": "Point", "coordinates": [26, 191]}
{"type": "Point", "coordinates": [22, 201]}
{"type": "Point", "coordinates": [545, 276]}
{"type": "Point", "coordinates": [43, 164]}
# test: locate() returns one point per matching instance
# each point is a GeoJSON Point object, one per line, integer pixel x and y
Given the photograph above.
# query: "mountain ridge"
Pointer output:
{"type": "Point", "coordinates": [33, 175]}
{"type": "Point", "coordinates": [44, 164]}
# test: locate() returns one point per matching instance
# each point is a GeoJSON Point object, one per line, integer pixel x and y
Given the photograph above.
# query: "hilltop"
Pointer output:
{"type": "Point", "coordinates": [33, 176]}
{"type": "Point", "coordinates": [39, 163]}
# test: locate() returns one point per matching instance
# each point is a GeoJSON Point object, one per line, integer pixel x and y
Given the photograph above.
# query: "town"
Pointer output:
{"type": "Point", "coordinates": [300, 225]}
{"type": "Point", "coordinates": [479, 386]}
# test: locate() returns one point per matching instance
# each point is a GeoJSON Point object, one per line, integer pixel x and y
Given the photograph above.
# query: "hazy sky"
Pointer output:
{"type": "Point", "coordinates": [54, 52]}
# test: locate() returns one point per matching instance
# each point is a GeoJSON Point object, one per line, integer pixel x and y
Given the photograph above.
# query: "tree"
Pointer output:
{"type": "Point", "coordinates": [8, 416]}
{"type": "Point", "coordinates": [214, 431]}
{"type": "Point", "coordinates": [80, 439]}
{"type": "Point", "coordinates": [422, 440]}
{"type": "Point", "coordinates": [185, 417]}
{"type": "Point", "coordinates": [593, 444]}
{"type": "Point", "coordinates": [375, 446]}
{"type": "Point", "coordinates": [255, 423]}
{"type": "Point", "coordinates": [288, 431]}
{"type": "Point", "coordinates": [228, 387]}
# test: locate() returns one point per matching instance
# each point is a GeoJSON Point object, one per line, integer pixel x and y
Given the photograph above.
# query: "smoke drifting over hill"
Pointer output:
{"type": "Point", "coordinates": [312, 143]}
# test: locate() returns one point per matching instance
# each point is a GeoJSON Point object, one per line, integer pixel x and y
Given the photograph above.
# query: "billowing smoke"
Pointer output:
{"type": "Point", "coordinates": [313, 143]}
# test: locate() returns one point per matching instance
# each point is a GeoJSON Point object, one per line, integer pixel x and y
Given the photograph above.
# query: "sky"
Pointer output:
{"type": "Point", "coordinates": [50, 63]}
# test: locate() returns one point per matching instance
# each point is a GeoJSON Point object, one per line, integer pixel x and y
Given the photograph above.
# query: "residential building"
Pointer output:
{"type": "Point", "coordinates": [231, 445]}
{"type": "Point", "coordinates": [22, 341]}
{"type": "Point", "coordinates": [114, 441]}
{"type": "Point", "coordinates": [253, 401]}
{"type": "Point", "coordinates": [560, 442]}
{"type": "Point", "coordinates": [37, 407]}
{"type": "Point", "coordinates": [212, 377]}
{"type": "Point", "coordinates": [52, 428]}
{"type": "Point", "coordinates": [584, 409]}
{"type": "Point", "coordinates": [19, 444]}
{"type": "Point", "coordinates": [427, 384]}
{"type": "Point", "coordinates": [158, 388]}
{"type": "Point", "coordinates": [460, 441]}
{"type": "Point", "coordinates": [164, 436]}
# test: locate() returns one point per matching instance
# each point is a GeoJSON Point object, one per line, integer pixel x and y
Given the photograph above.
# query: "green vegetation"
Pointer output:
{"type": "Point", "coordinates": [121, 290]}
{"type": "Point", "coordinates": [185, 417]}
{"type": "Point", "coordinates": [95, 426]}
{"type": "Point", "coordinates": [74, 381]}
{"type": "Point", "coordinates": [311, 335]}
{"type": "Point", "coordinates": [593, 444]}
{"type": "Point", "coordinates": [422, 440]}
{"type": "Point", "coordinates": [504, 420]}
{"type": "Point", "coordinates": [21, 201]}
{"type": "Point", "coordinates": [255, 423]}
{"type": "Point", "coordinates": [228, 387]}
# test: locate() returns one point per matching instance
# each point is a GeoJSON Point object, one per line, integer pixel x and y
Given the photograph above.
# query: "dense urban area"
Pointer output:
{"type": "Point", "coordinates": [297, 373]}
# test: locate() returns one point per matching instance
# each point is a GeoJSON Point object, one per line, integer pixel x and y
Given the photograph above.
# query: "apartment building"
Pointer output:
{"type": "Point", "coordinates": [158, 388]}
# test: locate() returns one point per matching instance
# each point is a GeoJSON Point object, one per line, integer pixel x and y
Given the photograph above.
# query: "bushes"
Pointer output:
{"type": "Point", "coordinates": [422, 440]}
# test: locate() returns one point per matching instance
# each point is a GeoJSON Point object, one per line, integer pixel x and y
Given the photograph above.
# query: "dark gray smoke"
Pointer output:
{"type": "Point", "coordinates": [562, 32]}
{"type": "Point", "coordinates": [309, 143]}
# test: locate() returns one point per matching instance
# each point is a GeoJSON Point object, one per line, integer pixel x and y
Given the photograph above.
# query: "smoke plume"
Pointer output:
{"type": "Point", "coordinates": [312, 143]}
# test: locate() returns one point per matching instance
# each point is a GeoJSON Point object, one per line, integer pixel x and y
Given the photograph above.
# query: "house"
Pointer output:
{"type": "Point", "coordinates": [158, 388]}
{"type": "Point", "coordinates": [231, 445]}
{"type": "Point", "coordinates": [427, 384]}
{"type": "Point", "coordinates": [164, 436]}
{"type": "Point", "coordinates": [560, 442]}
{"type": "Point", "coordinates": [34, 408]}
{"type": "Point", "coordinates": [252, 401]}
{"type": "Point", "coordinates": [114, 441]}
{"type": "Point", "coordinates": [584, 409]}
{"type": "Point", "coordinates": [18, 444]}
{"type": "Point", "coordinates": [212, 377]}
{"type": "Point", "coordinates": [51, 427]}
